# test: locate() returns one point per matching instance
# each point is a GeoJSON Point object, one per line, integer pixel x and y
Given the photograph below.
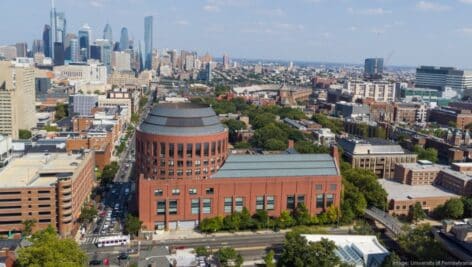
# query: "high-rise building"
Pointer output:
{"type": "Point", "coordinates": [442, 77]}
{"type": "Point", "coordinates": [373, 67]}
{"type": "Point", "coordinates": [74, 50]}
{"type": "Point", "coordinates": [95, 52]}
{"type": "Point", "coordinates": [59, 54]}
{"type": "Point", "coordinates": [67, 48]}
{"type": "Point", "coordinates": [82, 105]}
{"type": "Point", "coordinates": [17, 94]}
{"type": "Point", "coordinates": [225, 61]}
{"type": "Point", "coordinates": [37, 47]}
{"type": "Point", "coordinates": [21, 49]}
{"type": "Point", "coordinates": [124, 39]}
{"type": "Point", "coordinates": [121, 61]}
{"type": "Point", "coordinates": [108, 33]}
{"type": "Point", "coordinates": [85, 37]}
{"type": "Point", "coordinates": [148, 39]}
{"type": "Point", "coordinates": [58, 28]}
{"type": "Point", "coordinates": [47, 40]}
{"type": "Point", "coordinates": [105, 52]}
{"type": "Point", "coordinates": [8, 52]}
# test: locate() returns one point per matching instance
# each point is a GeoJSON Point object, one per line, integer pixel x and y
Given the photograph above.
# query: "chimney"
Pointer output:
{"type": "Point", "coordinates": [291, 144]}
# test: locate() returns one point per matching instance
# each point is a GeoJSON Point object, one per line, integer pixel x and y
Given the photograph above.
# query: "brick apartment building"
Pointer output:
{"type": "Point", "coordinates": [48, 188]}
{"type": "Point", "coordinates": [451, 115]}
{"type": "Point", "coordinates": [186, 175]}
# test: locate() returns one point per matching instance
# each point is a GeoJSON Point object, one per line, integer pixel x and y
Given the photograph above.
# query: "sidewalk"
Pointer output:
{"type": "Point", "coordinates": [192, 234]}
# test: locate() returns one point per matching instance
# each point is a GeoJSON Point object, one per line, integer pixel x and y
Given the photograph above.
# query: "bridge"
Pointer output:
{"type": "Point", "coordinates": [391, 223]}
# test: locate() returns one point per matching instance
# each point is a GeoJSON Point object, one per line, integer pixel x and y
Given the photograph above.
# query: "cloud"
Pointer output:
{"type": "Point", "coordinates": [352, 28]}
{"type": "Point", "coordinates": [431, 6]}
{"type": "Point", "coordinates": [273, 28]}
{"type": "Point", "coordinates": [97, 3]}
{"type": "Point", "coordinates": [369, 11]}
{"type": "Point", "coordinates": [211, 8]}
{"type": "Point", "coordinates": [466, 1]}
{"type": "Point", "coordinates": [465, 30]}
{"type": "Point", "coordinates": [276, 12]}
{"type": "Point", "coordinates": [181, 22]}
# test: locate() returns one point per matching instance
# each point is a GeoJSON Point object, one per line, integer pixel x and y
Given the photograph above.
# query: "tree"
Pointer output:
{"type": "Point", "coordinates": [135, 118]}
{"type": "Point", "coordinates": [232, 222]}
{"type": "Point", "coordinates": [233, 127]}
{"type": "Point", "coordinates": [301, 215]}
{"type": "Point", "coordinates": [47, 249]}
{"type": "Point", "coordinates": [285, 220]}
{"type": "Point", "coordinates": [332, 214]}
{"type": "Point", "coordinates": [419, 244]}
{"type": "Point", "coordinates": [51, 128]}
{"type": "Point", "coordinates": [353, 204]}
{"type": "Point", "coordinates": [363, 228]}
{"type": "Point", "coordinates": [221, 89]}
{"type": "Point", "coordinates": [202, 251]}
{"type": "Point", "coordinates": [227, 256]}
{"type": "Point", "coordinates": [132, 225]}
{"type": "Point", "coordinates": [366, 182]}
{"type": "Point", "coordinates": [392, 260]}
{"type": "Point", "coordinates": [261, 219]}
{"type": "Point", "coordinates": [416, 213]}
{"type": "Point", "coordinates": [467, 201]}
{"type": "Point", "coordinates": [430, 154]}
{"type": "Point", "coordinates": [242, 145]}
{"type": "Point", "coordinates": [274, 144]}
{"type": "Point", "coordinates": [246, 220]}
{"type": "Point", "coordinates": [28, 226]}
{"type": "Point", "coordinates": [60, 111]}
{"type": "Point", "coordinates": [297, 252]}
{"type": "Point", "coordinates": [87, 214]}
{"type": "Point", "coordinates": [211, 225]}
{"type": "Point", "coordinates": [262, 119]}
{"type": "Point", "coordinates": [453, 208]}
{"type": "Point", "coordinates": [109, 172]}
{"type": "Point", "coordinates": [269, 259]}
{"type": "Point", "coordinates": [24, 134]}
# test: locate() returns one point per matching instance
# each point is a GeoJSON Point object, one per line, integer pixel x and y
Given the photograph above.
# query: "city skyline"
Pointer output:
{"type": "Point", "coordinates": [404, 32]}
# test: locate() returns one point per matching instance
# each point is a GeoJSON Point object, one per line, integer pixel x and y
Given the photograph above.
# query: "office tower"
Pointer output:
{"type": "Point", "coordinates": [58, 28]}
{"type": "Point", "coordinates": [208, 72]}
{"type": "Point", "coordinates": [58, 54]}
{"type": "Point", "coordinates": [8, 52]}
{"type": "Point", "coordinates": [173, 58]}
{"type": "Point", "coordinates": [442, 77]}
{"type": "Point", "coordinates": [373, 68]}
{"type": "Point", "coordinates": [124, 39]}
{"type": "Point", "coordinates": [225, 61]}
{"type": "Point", "coordinates": [47, 40]}
{"type": "Point", "coordinates": [139, 58]}
{"type": "Point", "coordinates": [85, 35]}
{"type": "Point", "coordinates": [17, 92]}
{"type": "Point", "coordinates": [121, 61]}
{"type": "Point", "coordinates": [95, 52]}
{"type": "Point", "coordinates": [37, 47]}
{"type": "Point", "coordinates": [105, 52]}
{"type": "Point", "coordinates": [148, 39]}
{"type": "Point", "coordinates": [116, 46]}
{"type": "Point", "coordinates": [21, 49]}
{"type": "Point", "coordinates": [108, 33]}
{"type": "Point", "coordinates": [74, 48]}
{"type": "Point", "coordinates": [67, 48]}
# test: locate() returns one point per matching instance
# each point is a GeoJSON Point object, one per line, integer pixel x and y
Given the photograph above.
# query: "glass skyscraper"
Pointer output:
{"type": "Point", "coordinates": [108, 33]}
{"type": "Point", "coordinates": [84, 41]}
{"type": "Point", "coordinates": [46, 40]}
{"type": "Point", "coordinates": [74, 50]}
{"type": "Point", "coordinates": [148, 38]}
{"type": "Point", "coordinates": [58, 29]}
{"type": "Point", "coordinates": [373, 67]}
{"type": "Point", "coordinates": [124, 40]}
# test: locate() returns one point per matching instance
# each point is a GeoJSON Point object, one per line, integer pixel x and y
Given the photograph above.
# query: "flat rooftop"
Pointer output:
{"type": "Point", "coordinates": [38, 169]}
{"type": "Point", "coordinates": [399, 191]}
{"type": "Point", "coordinates": [277, 165]}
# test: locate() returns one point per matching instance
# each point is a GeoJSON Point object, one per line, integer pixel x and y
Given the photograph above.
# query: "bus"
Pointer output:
{"type": "Point", "coordinates": [115, 240]}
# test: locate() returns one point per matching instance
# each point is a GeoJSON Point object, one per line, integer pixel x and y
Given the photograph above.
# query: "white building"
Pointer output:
{"type": "Point", "coordinates": [356, 250]}
{"type": "Point", "coordinates": [121, 61]}
{"type": "Point", "coordinates": [380, 91]}
{"type": "Point", "coordinates": [324, 136]}
{"type": "Point", "coordinates": [91, 72]}
{"type": "Point", "coordinates": [6, 147]}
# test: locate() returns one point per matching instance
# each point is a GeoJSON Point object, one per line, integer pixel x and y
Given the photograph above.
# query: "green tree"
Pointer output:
{"type": "Point", "coordinates": [430, 154]}
{"type": "Point", "coordinates": [232, 222]}
{"type": "Point", "coordinates": [367, 182]}
{"type": "Point", "coordinates": [392, 260]}
{"type": "Point", "coordinates": [353, 204]}
{"type": "Point", "coordinates": [467, 201]}
{"type": "Point", "coordinates": [233, 127]}
{"type": "Point", "coordinates": [109, 172]}
{"type": "Point", "coordinates": [269, 259]}
{"type": "Point", "coordinates": [453, 208]}
{"type": "Point", "coordinates": [87, 214]}
{"type": "Point", "coordinates": [132, 225]}
{"type": "Point", "coordinates": [24, 134]}
{"type": "Point", "coordinates": [60, 111]}
{"type": "Point", "coordinates": [28, 226]}
{"type": "Point", "coordinates": [261, 219]}
{"type": "Point", "coordinates": [270, 131]}
{"type": "Point", "coordinates": [227, 256]}
{"type": "Point", "coordinates": [202, 251]}
{"type": "Point", "coordinates": [285, 220]}
{"type": "Point", "coordinates": [50, 128]}
{"type": "Point", "coordinates": [274, 144]}
{"type": "Point", "coordinates": [134, 118]}
{"type": "Point", "coordinates": [363, 228]}
{"type": "Point", "coordinates": [242, 145]}
{"type": "Point", "coordinates": [416, 213]}
{"type": "Point", "coordinates": [261, 120]}
{"type": "Point", "coordinates": [211, 225]}
{"type": "Point", "coordinates": [301, 215]}
{"type": "Point", "coordinates": [419, 244]}
{"type": "Point", "coordinates": [297, 252]}
{"type": "Point", "coordinates": [246, 220]}
{"type": "Point", "coordinates": [47, 249]}
{"type": "Point", "coordinates": [221, 89]}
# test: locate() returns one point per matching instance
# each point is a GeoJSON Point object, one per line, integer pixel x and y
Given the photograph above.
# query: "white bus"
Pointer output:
{"type": "Point", "coordinates": [115, 240]}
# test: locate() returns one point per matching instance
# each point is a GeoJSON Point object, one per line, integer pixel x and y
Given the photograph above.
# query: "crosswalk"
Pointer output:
{"type": "Point", "coordinates": [91, 239]}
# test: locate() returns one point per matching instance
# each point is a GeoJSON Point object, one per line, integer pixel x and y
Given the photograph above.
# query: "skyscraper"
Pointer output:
{"type": "Point", "coordinates": [67, 48]}
{"type": "Point", "coordinates": [85, 35]}
{"type": "Point", "coordinates": [148, 38]}
{"type": "Point", "coordinates": [58, 28]}
{"type": "Point", "coordinates": [108, 33]}
{"type": "Point", "coordinates": [58, 54]}
{"type": "Point", "coordinates": [225, 61]}
{"type": "Point", "coordinates": [74, 50]}
{"type": "Point", "coordinates": [47, 40]}
{"type": "Point", "coordinates": [37, 47]}
{"type": "Point", "coordinates": [443, 77]}
{"type": "Point", "coordinates": [124, 39]}
{"type": "Point", "coordinates": [373, 68]}
{"type": "Point", "coordinates": [21, 49]}
{"type": "Point", "coordinates": [105, 52]}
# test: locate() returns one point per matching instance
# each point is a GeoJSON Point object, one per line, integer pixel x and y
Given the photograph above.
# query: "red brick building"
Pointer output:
{"type": "Point", "coordinates": [186, 175]}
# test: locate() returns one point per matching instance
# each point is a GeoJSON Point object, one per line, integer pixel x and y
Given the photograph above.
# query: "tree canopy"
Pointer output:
{"type": "Point", "coordinates": [416, 213]}
{"type": "Point", "coordinates": [48, 249]}
{"type": "Point", "coordinates": [366, 182]}
{"type": "Point", "coordinates": [419, 244]}
{"type": "Point", "coordinates": [227, 256]}
{"type": "Point", "coordinates": [24, 134]}
{"type": "Point", "coordinates": [132, 225]}
{"type": "Point", "coordinates": [430, 154]}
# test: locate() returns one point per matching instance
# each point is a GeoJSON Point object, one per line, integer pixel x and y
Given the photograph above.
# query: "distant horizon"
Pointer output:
{"type": "Point", "coordinates": [407, 33]}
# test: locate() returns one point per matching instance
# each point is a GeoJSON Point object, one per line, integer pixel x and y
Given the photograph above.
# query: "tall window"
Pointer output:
{"type": "Point", "coordinates": [228, 204]}
{"type": "Point", "coordinates": [192, 191]}
{"type": "Point", "coordinates": [290, 202]}
{"type": "Point", "coordinates": [198, 150]}
{"type": "Point", "coordinates": [206, 206]}
{"type": "Point", "coordinates": [300, 199]}
{"type": "Point", "coordinates": [172, 207]}
{"type": "Point", "coordinates": [319, 201]}
{"type": "Point", "coordinates": [161, 207]}
{"type": "Point", "coordinates": [319, 187]}
{"type": "Point", "coordinates": [270, 202]}
{"type": "Point", "coordinates": [333, 187]}
{"type": "Point", "coordinates": [163, 149]}
{"type": "Point", "coordinates": [180, 150]}
{"type": "Point", "coordinates": [206, 149]}
{"type": "Point", "coordinates": [259, 203]}
{"type": "Point", "coordinates": [171, 150]}
{"type": "Point", "coordinates": [329, 199]}
{"type": "Point", "coordinates": [213, 148]}
{"type": "Point", "coordinates": [239, 204]}
{"type": "Point", "coordinates": [189, 150]}
{"type": "Point", "coordinates": [195, 206]}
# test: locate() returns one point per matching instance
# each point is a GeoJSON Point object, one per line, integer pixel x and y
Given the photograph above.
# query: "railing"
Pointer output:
{"type": "Point", "coordinates": [390, 222]}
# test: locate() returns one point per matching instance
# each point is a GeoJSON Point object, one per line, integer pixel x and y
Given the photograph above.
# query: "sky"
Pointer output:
{"type": "Point", "coordinates": [404, 32]}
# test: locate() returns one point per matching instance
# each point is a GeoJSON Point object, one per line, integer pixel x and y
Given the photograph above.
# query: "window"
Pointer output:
{"type": "Point", "coordinates": [239, 204]}
{"type": "Point", "coordinates": [228, 204]}
{"type": "Point", "coordinates": [163, 149]}
{"type": "Point", "coordinates": [171, 172]}
{"type": "Point", "coordinates": [180, 163]}
{"type": "Point", "coordinates": [175, 191]}
{"type": "Point", "coordinates": [259, 203]}
{"type": "Point", "coordinates": [197, 163]}
{"type": "Point", "coordinates": [219, 147]}
{"type": "Point", "coordinates": [210, 191]}
{"type": "Point", "coordinates": [180, 150]}
{"type": "Point", "coordinates": [291, 202]}
{"type": "Point", "coordinates": [188, 172]}
{"type": "Point", "coordinates": [213, 148]}
{"type": "Point", "coordinates": [189, 150]}
{"type": "Point", "coordinates": [172, 207]}
{"type": "Point", "coordinates": [158, 192]}
{"type": "Point", "coordinates": [180, 172]}
{"type": "Point", "coordinates": [319, 201]}
{"type": "Point", "coordinates": [206, 149]}
{"type": "Point", "coordinates": [171, 150]}
{"type": "Point", "coordinates": [205, 162]}
{"type": "Point", "coordinates": [192, 191]}
{"type": "Point", "coordinates": [161, 207]}
{"type": "Point", "coordinates": [270, 203]}
{"type": "Point", "coordinates": [198, 150]}
{"type": "Point", "coordinates": [163, 162]}
{"type": "Point", "coordinates": [319, 187]}
{"type": "Point", "coordinates": [333, 187]}
{"type": "Point", "coordinates": [195, 206]}
{"type": "Point", "coordinates": [206, 206]}
{"type": "Point", "coordinates": [329, 200]}
{"type": "Point", "coordinates": [171, 163]}
{"type": "Point", "coordinates": [189, 163]}
{"type": "Point", "coordinates": [197, 172]}
{"type": "Point", "coordinates": [300, 199]}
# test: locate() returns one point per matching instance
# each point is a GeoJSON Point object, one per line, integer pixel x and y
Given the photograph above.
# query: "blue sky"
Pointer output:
{"type": "Point", "coordinates": [408, 32]}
